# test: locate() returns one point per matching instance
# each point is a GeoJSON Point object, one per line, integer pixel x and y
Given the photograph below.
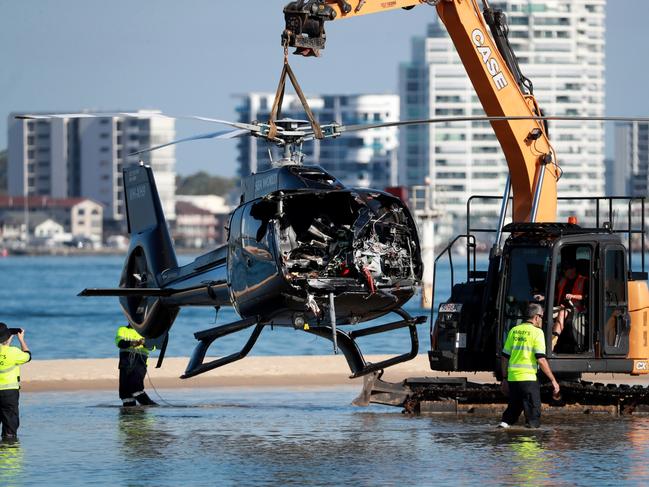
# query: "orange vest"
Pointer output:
{"type": "Point", "coordinates": [577, 288]}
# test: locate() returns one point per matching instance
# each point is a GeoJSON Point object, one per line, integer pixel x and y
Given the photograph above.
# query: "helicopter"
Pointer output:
{"type": "Point", "coordinates": [303, 251]}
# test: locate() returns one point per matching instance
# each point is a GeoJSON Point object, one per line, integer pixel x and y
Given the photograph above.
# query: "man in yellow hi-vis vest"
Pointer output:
{"type": "Point", "coordinates": [133, 358]}
{"type": "Point", "coordinates": [10, 359]}
{"type": "Point", "coordinates": [523, 354]}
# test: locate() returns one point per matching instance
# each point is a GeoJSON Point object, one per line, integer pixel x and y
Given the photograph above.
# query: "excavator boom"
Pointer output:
{"type": "Point", "coordinates": [495, 77]}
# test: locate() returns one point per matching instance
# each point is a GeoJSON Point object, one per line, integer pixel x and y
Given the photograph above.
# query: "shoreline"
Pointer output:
{"type": "Point", "coordinates": [85, 252]}
{"type": "Point", "coordinates": [257, 371]}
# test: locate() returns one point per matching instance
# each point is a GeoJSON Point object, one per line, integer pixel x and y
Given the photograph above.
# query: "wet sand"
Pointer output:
{"type": "Point", "coordinates": [294, 371]}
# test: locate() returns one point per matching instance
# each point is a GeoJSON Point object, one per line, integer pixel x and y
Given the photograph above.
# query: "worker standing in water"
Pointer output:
{"type": "Point", "coordinates": [523, 354]}
{"type": "Point", "coordinates": [133, 360]}
{"type": "Point", "coordinates": [10, 359]}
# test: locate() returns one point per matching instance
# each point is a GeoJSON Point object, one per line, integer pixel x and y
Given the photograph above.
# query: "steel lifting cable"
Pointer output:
{"type": "Point", "coordinates": [279, 100]}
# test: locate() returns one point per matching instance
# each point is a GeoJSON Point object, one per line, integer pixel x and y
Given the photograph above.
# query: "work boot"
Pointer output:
{"type": "Point", "coordinates": [144, 399]}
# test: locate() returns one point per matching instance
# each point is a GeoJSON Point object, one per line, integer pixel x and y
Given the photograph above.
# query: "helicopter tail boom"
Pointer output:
{"type": "Point", "coordinates": [150, 253]}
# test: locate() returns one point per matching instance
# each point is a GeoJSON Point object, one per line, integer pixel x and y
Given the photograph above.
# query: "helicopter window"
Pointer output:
{"type": "Point", "coordinates": [254, 230]}
{"type": "Point", "coordinates": [234, 226]}
{"type": "Point", "coordinates": [527, 276]}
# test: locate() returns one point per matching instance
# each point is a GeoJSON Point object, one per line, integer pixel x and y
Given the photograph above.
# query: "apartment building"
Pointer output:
{"type": "Point", "coordinates": [560, 46]}
{"type": "Point", "coordinates": [361, 159]}
{"type": "Point", "coordinates": [629, 171]}
{"type": "Point", "coordinates": [71, 157]}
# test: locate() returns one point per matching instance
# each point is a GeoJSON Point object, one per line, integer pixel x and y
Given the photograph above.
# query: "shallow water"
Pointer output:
{"type": "Point", "coordinates": [306, 437]}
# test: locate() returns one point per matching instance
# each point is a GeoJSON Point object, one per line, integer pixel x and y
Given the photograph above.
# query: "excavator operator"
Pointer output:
{"type": "Point", "coordinates": [570, 295]}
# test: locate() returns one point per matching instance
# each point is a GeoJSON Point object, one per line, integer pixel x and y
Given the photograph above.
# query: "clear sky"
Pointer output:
{"type": "Point", "coordinates": [191, 57]}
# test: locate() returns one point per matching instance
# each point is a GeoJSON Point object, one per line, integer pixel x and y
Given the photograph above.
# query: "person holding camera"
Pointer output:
{"type": "Point", "coordinates": [10, 360]}
{"type": "Point", "coordinates": [133, 360]}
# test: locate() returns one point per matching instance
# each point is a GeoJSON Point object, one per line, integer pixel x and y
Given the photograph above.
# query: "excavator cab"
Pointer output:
{"type": "Point", "coordinates": [581, 276]}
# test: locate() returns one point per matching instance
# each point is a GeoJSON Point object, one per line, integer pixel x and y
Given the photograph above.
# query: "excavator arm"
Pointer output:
{"type": "Point", "coordinates": [493, 70]}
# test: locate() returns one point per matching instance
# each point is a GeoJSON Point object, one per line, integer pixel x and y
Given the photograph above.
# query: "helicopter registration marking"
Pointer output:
{"type": "Point", "coordinates": [265, 183]}
{"type": "Point", "coordinates": [137, 192]}
{"type": "Point", "coordinates": [450, 308]}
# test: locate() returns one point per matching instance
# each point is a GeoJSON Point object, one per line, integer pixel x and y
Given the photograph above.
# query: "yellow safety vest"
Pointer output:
{"type": "Point", "coordinates": [523, 342]}
{"type": "Point", "coordinates": [130, 335]}
{"type": "Point", "coordinates": [10, 359]}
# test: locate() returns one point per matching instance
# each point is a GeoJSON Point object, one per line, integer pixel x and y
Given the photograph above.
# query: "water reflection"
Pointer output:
{"type": "Point", "coordinates": [529, 461]}
{"type": "Point", "coordinates": [11, 463]}
{"type": "Point", "coordinates": [142, 435]}
{"type": "Point", "coordinates": [297, 437]}
{"type": "Point", "coordinates": [638, 437]}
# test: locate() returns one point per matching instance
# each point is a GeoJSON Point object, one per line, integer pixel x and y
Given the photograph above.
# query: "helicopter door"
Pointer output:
{"type": "Point", "coordinates": [254, 277]}
{"type": "Point", "coordinates": [615, 327]}
{"type": "Point", "coordinates": [236, 268]}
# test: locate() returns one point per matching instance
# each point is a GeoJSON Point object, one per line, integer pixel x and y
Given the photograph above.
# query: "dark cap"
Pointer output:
{"type": "Point", "coordinates": [6, 332]}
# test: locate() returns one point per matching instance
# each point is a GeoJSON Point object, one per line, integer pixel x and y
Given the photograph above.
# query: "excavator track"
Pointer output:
{"type": "Point", "coordinates": [418, 395]}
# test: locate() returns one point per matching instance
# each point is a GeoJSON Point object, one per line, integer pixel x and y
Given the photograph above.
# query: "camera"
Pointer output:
{"type": "Point", "coordinates": [14, 331]}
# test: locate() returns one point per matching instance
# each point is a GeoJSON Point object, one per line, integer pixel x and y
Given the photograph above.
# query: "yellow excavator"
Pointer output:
{"type": "Point", "coordinates": [596, 302]}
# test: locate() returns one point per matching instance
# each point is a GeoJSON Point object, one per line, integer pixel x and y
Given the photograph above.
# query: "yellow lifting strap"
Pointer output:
{"type": "Point", "coordinates": [276, 112]}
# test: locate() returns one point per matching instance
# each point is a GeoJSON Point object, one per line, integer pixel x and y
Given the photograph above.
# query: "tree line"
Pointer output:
{"type": "Point", "coordinates": [193, 184]}
{"type": "Point", "coordinates": [203, 183]}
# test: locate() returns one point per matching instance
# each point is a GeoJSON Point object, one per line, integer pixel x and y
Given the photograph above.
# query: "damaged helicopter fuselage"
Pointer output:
{"type": "Point", "coordinates": [294, 249]}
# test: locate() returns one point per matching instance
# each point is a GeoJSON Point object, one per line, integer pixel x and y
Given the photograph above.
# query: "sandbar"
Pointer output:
{"type": "Point", "coordinates": [255, 371]}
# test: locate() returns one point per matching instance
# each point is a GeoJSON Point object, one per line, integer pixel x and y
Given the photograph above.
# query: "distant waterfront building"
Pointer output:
{"type": "Point", "coordinates": [205, 214]}
{"type": "Point", "coordinates": [79, 217]}
{"type": "Point", "coordinates": [194, 227]}
{"type": "Point", "coordinates": [363, 159]}
{"type": "Point", "coordinates": [630, 168]}
{"type": "Point", "coordinates": [41, 227]}
{"type": "Point", "coordinates": [560, 45]}
{"type": "Point", "coordinates": [68, 157]}
{"type": "Point", "coordinates": [3, 172]}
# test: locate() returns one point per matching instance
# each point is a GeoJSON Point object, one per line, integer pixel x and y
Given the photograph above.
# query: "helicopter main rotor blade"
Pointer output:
{"type": "Point", "coordinates": [143, 114]}
{"type": "Point", "coordinates": [49, 116]}
{"type": "Point", "coordinates": [221, 134]}
{"type": "Point", "coordinates": [424, 121]}
{"type": "Point", "coordinates": [239, 125]}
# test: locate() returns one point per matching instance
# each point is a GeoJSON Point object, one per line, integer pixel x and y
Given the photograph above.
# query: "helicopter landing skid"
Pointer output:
{"type": "Point", "coordinates": [207, 337]}
{"type": "Point", "coordinates": [346, 343]}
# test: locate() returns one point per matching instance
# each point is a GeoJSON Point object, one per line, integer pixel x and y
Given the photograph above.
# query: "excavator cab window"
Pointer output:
{"type": "Point", "coordinates": [616, 330]}
{"type": "Point", "coordinates": [527, 277]}
{"type": "Point", "coordinates": [571, 312]}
